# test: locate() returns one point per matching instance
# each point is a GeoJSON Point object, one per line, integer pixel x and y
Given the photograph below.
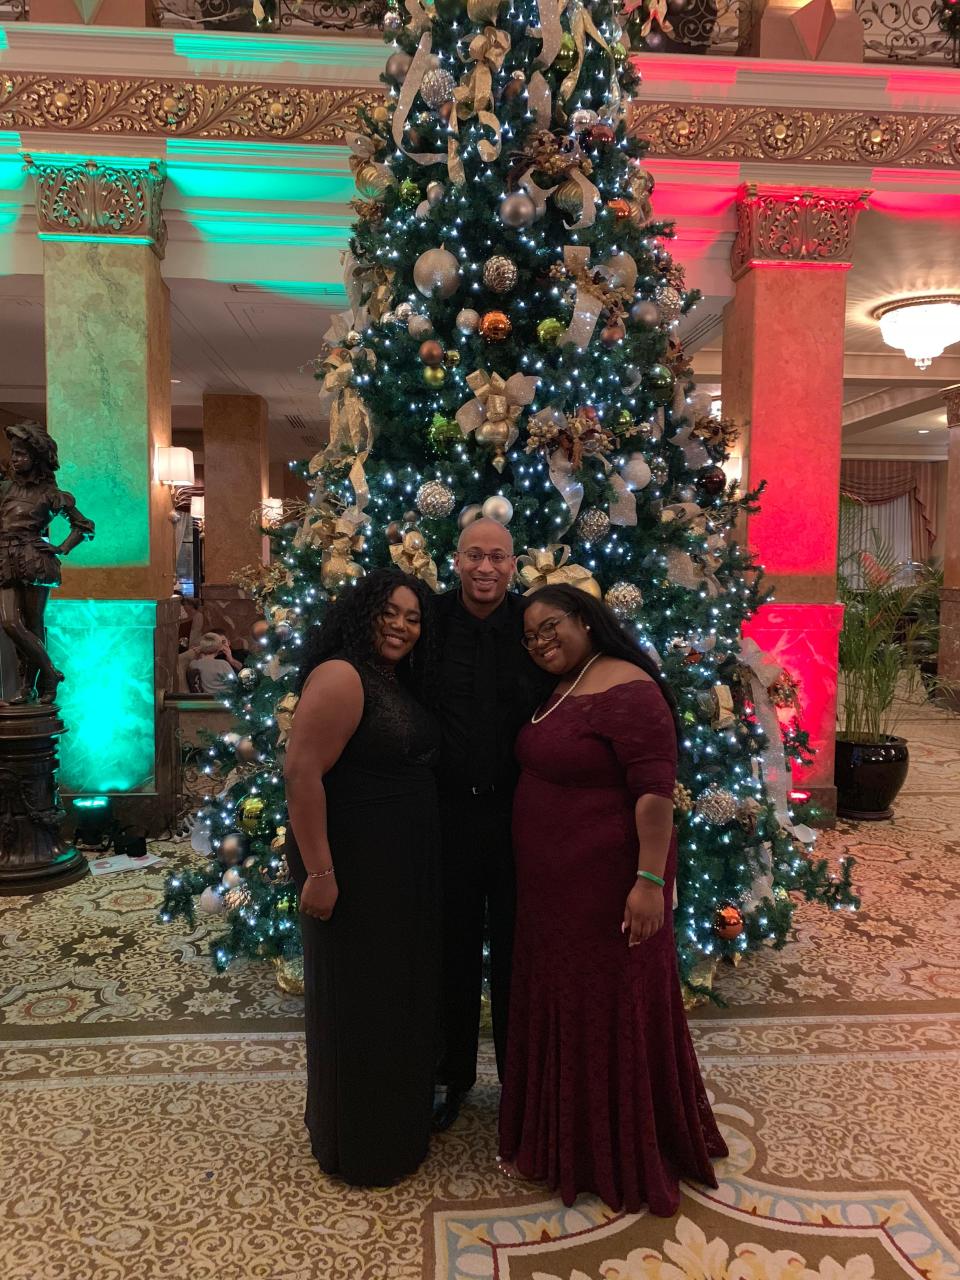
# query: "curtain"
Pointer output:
{"type": "Point", "coordinates": [863, 526]}
{"type": "Point", "coordinates": [879, 480]}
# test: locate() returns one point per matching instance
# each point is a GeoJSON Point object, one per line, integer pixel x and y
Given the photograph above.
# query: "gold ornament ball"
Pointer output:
{"type": "Point", "coordinates": [619, 208]}
{"type": "Point", "coordinates": [717, 806]}
{"type": "Point", "coordinates": [431, 352]}
{"type": "Point", "coordinates": [394, 533]}
{"type": "Point", "coordinates": [495, 326]}
{"type": "Point", "coordinates": [413, 540]}
{"type": "Point", "coordinates": [451, 359]}
{"type": "Point", "coordinates": [593, 525]}
{"type": "Point", "coordinates": [567, 57]}
{"type": "Point", "coordinates": [550, 331]}
{"type": "Point", "coordinates": [500, 273]}
{"type": "Point", "coordinates": [569, 198]}
{"type": "Point", "coordinates": [728, 922]}
{"type": "Point", "coordinates": [246, 750]}
{"type": "Point", "coordinates": [625, 599]}
{"type": "Point", "coordinates": [436, 87]}
{"type": "Point", "coordinates": [435, 376]}
{"type": "Point", "coordinates": [495, 433]}
{"type": "Point", "coordinates": [670, 303]}
{"type": "Point", "coordinates": [373, 180]}
{"type": "Point", "coordinates": [437, 272]}
{"type": "Point", "coordinates": [682, 799]}
{"type": "Point", "coordinates": [251, 811]}
{"type": "Point", "coordinates": [435, 500]}
{"type": "Point", "coordinates": [381, 115]}
{"type": "Point", "coordinates": [613, 333]}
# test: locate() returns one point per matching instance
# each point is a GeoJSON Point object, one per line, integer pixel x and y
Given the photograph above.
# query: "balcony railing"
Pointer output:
{"type": "Point", "coordinates": [894, 30]}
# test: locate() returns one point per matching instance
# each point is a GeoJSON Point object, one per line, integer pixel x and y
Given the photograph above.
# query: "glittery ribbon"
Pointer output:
{"type": "Point", "coordinates": [764, 671]}
{"type": "Point", "coordinates": [420, 16]}
{"type": "Point", "coordinates": [692, 448]}
{"type": "Point", "coordinates": [549, 566]}
{"type": "Point", "coordinates": [417, 563]}
{"type": "Point", "coordinates": [539, 195]}
{"type": "Point", "coordinates": [283, 714]}
{"type": "Point", "coordinates": [685, 572]}
{"type": "Point", "coordinates": [549, 32]}
{"type": "Point", "coordinates": [419, 67]}
{"type": "Point", "coordinates": [581, 26]}
{"type": "Point", "coordinates": [474, 94]}
{"type": "Point", "coordinates": [368, 285]}
{"type": "Point", "coordinates": [570, 489]}
{"type": "Point", "coordinates": [539, 100]}
{"type": "Point", "coordinates": [496, 400]}
{"type": "Point", "coordinates": [589, 303]}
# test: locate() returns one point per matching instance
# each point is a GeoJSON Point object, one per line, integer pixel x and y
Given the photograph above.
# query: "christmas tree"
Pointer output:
{"type": "Point", "coordinates": [512, 352]}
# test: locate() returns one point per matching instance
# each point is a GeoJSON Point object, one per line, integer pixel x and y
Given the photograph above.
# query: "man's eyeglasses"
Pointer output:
{"type": "Point", "coordinates": [497, 558]}
{"type": "Point", "coordinates": [544, 633]}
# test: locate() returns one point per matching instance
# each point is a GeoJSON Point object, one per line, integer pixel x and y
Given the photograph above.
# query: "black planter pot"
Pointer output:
{"type": "Point", "coordinates": [868, 777]}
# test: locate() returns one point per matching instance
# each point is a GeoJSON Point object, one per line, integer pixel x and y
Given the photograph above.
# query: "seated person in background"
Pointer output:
{"type": "Point", "coordinates": [214, 667]}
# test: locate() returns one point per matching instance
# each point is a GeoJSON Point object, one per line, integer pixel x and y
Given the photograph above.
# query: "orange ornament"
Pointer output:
{"type": "Point", "coordinates": [431, 352]}
{"type": "Point", "coordinates": [495, 326]}
{"type": "Point", "coordinates": [728, 922]}
{"type": "Point", "coordinates": [619, 208]}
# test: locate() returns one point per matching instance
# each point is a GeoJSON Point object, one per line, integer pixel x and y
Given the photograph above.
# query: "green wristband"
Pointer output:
{"type": "Point", "coordinates": [648, 875]}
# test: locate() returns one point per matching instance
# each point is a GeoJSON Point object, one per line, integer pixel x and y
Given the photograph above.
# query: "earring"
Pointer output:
{"type": "Point", "coordinates": [587, 627]}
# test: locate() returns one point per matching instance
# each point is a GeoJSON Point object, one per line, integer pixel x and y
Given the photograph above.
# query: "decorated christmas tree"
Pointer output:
{"type": "Point", "coordinates": [512, 351]}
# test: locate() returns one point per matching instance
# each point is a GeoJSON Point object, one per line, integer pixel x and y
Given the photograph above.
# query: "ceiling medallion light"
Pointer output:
{"type": "Point", "coordinates": [920, 327]}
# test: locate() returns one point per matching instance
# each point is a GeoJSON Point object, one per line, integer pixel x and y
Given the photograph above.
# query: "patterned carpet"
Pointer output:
{"type": "Point", "coordinates": [152, 1110]}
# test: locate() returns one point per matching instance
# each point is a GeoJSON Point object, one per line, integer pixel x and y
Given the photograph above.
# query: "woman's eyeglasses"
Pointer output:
{"type": "Point", "coordinates": [546, 632]}
{"type": "Point", "coordinates": [497, 558]}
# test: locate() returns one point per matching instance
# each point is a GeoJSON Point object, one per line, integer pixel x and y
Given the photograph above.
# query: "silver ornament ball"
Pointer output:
{"type": "Point", "coordinates": [468, 320]}
{"type": "Point", "coordinates": [583, 119]}
{"type": "Point", "coordinates": [593, 525]}
{"type": "Point", "coordinates": [645, 313]}
{"type": "Point", "coordinates": [517, 210]}
{"type": "Point", "coordinates": [392, 21]}
{"type": "Point", "coordinates": [473, 511]}
{"type": "Point", "coordinates": [717, 806]}
{"type": "Point", "coordinates": [435, 192]}
{"type": "Point", "coordinates": [497, 508]}
{"type": "Point", "coordinates": [404, 312]}
{"type": "Point", "coordinates": [625, 599]}
{"type": "Point", "coordinates": [398, 64]}
{"type": "Point", "coordinates": [437, 272]}
{"type": "Point", "coordinates": [636, 472]}
{"type": "Point", "coordinates": [211, 901]}
{"type": "Point", "coordinates": [231, 878]}
{"type": "Point", "coordinates": [434, 499]}
{"type": "Point", "coordinates": [500, 273]}
{"type": "Point", "coordinates": [437, 87]}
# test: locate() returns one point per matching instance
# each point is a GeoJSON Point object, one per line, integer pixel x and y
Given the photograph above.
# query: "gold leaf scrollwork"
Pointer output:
{"type": "Point", "coordinates": [84, 197]}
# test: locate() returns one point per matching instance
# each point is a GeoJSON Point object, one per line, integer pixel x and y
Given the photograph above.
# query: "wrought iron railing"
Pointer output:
{"type": "Point", "coordinates": [295, 17]}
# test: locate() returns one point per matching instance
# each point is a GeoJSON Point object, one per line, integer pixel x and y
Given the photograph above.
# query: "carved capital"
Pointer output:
{"type": "Point", "coordinates": [110, 200]}
{"type": "Point", "coordinates": [784, 224]}
{"type": "Point", "coordinates": [951, 398]}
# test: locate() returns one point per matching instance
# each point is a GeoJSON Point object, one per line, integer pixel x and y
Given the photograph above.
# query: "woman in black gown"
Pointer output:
{"type": "Point", "coordinates": [363, 850]}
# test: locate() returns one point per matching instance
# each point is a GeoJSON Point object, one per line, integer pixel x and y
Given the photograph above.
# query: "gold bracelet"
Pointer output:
{"type": "Point", "coordinates": [318, 875]}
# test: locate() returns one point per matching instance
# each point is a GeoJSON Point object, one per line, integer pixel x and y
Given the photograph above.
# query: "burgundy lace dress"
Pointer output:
{"type": "Point", "coordinates": [602, 1091]}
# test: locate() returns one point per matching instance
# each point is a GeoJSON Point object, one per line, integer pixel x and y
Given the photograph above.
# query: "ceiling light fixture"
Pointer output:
{"type": "Point", "coordinates": [923, 431]}
{"type": "Point", "coordinates": [920, 327]}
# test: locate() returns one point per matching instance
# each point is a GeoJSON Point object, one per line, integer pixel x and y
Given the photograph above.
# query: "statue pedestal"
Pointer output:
{"type": "Point", "coordinates": [33, 856]}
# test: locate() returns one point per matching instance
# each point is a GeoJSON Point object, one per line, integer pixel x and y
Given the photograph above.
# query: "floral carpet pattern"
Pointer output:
{"type": "Point", "coordinates": [152, 1110]}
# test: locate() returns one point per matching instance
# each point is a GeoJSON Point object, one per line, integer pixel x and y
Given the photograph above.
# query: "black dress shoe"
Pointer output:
{"type": "Point", "coordinates": [447, 1108]}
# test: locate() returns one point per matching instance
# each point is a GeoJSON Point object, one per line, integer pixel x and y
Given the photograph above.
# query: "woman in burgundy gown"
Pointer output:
{"type": "Point", "coordinates": [602, 1091]}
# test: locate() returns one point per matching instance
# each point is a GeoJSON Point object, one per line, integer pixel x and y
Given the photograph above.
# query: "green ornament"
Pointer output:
{"type": "Point", "coordinates": [550, 330]}
{"type": "Point", "coordinates": [689, 717]}
{"type": "Point", "coordinates": [409, 191]}
{"type": "Point", "coordinates": [658, 384]}
{"type": "Point", "coordinates": [624, 418]}
{"type": "Point", "coordinates": [442, 432]}
{"type": "Point", "coordinates": [567, 57]}
{"type": "Point", "coordinates": [619, 52]}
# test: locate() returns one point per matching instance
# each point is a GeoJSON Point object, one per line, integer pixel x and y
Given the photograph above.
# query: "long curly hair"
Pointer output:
{"type": "Point", "coordinates": [348, 630]}
{"type": "Point", "coordinates": [41, 446]}
{"type": "Point", "coordinates": [609, 637]}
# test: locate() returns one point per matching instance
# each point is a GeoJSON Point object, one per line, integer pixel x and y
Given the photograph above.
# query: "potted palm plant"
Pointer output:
{"type": "Point", "coordinates": [889, 626]}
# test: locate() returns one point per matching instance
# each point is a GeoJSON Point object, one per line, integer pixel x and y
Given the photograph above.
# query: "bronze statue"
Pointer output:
{"type": "Point", "coordinates": [29, 500]}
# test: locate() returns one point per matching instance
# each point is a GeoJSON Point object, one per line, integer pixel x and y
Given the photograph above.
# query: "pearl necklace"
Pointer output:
{"type": "Point", "coordinates": [535, 719]}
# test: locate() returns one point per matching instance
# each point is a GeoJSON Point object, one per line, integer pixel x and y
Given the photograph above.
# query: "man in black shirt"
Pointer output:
{"type": "Point", "coordinates": [488, 687]}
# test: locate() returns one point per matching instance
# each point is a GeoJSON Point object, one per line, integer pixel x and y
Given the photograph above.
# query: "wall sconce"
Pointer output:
{"type": "Point", "coordinates": [174, 466]}
{"type": "Point", "coordinates": [271, 512]}
{"type": "Point", "coordinates": [197, 508]}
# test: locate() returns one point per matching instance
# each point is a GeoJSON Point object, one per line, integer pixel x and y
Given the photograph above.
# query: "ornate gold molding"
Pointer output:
{"type": "Point", "coordinates": [783, 224]}
{"type": "Point", "coordinates": [951, 398]}
{"type": "Point", "coordinates": [84, 198]}
{"type": "Point", "coordinates": [708, 131]}
{"type": "Point", "coordinates": [180, 108]}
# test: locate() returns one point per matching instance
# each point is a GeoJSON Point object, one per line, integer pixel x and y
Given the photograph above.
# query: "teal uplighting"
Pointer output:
{"type": "Point", "coordinates": [91, 802]}
{"type": "Point", "coordinates": [105, 650]}
{"type": "Point", "coordinates": [212, 47]}
{"type": "Point", "coordinates": [91, 238]}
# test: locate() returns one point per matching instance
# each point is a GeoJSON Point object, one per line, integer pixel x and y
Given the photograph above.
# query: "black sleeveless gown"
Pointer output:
{"type": "Point", "coordinates": [371, 972]}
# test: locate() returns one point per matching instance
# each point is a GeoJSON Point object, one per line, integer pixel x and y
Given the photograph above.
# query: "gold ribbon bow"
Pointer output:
{"type": "Point", "coordinates": [474, 96]}
{"type": "Point", "coordinates": [495, 408]}
{"type": "Point", "coordinates": [337, 564]}
{"type": "Point", "coordinates": [581, 26]}
{"type": "Point", "coordinates": [548, 566]}
{"type": "Point", "coordinates": [415, 561]}
{"type": "Point", "coordinates": [283, 714]}
{"type": "Point", "coordinates": [368, 285]}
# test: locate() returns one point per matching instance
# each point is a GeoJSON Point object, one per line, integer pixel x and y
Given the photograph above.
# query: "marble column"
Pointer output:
{"type": "Point", "coordinates": [948, 665]}
{"type": "Point", "coordinates": [113, 623]}
{"type": "Point", "coordinates": [783, 340]}
{"type": "Point", "coordinates": [235, 482]}
{"type": "Point", "coordinates": [95, 13]}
